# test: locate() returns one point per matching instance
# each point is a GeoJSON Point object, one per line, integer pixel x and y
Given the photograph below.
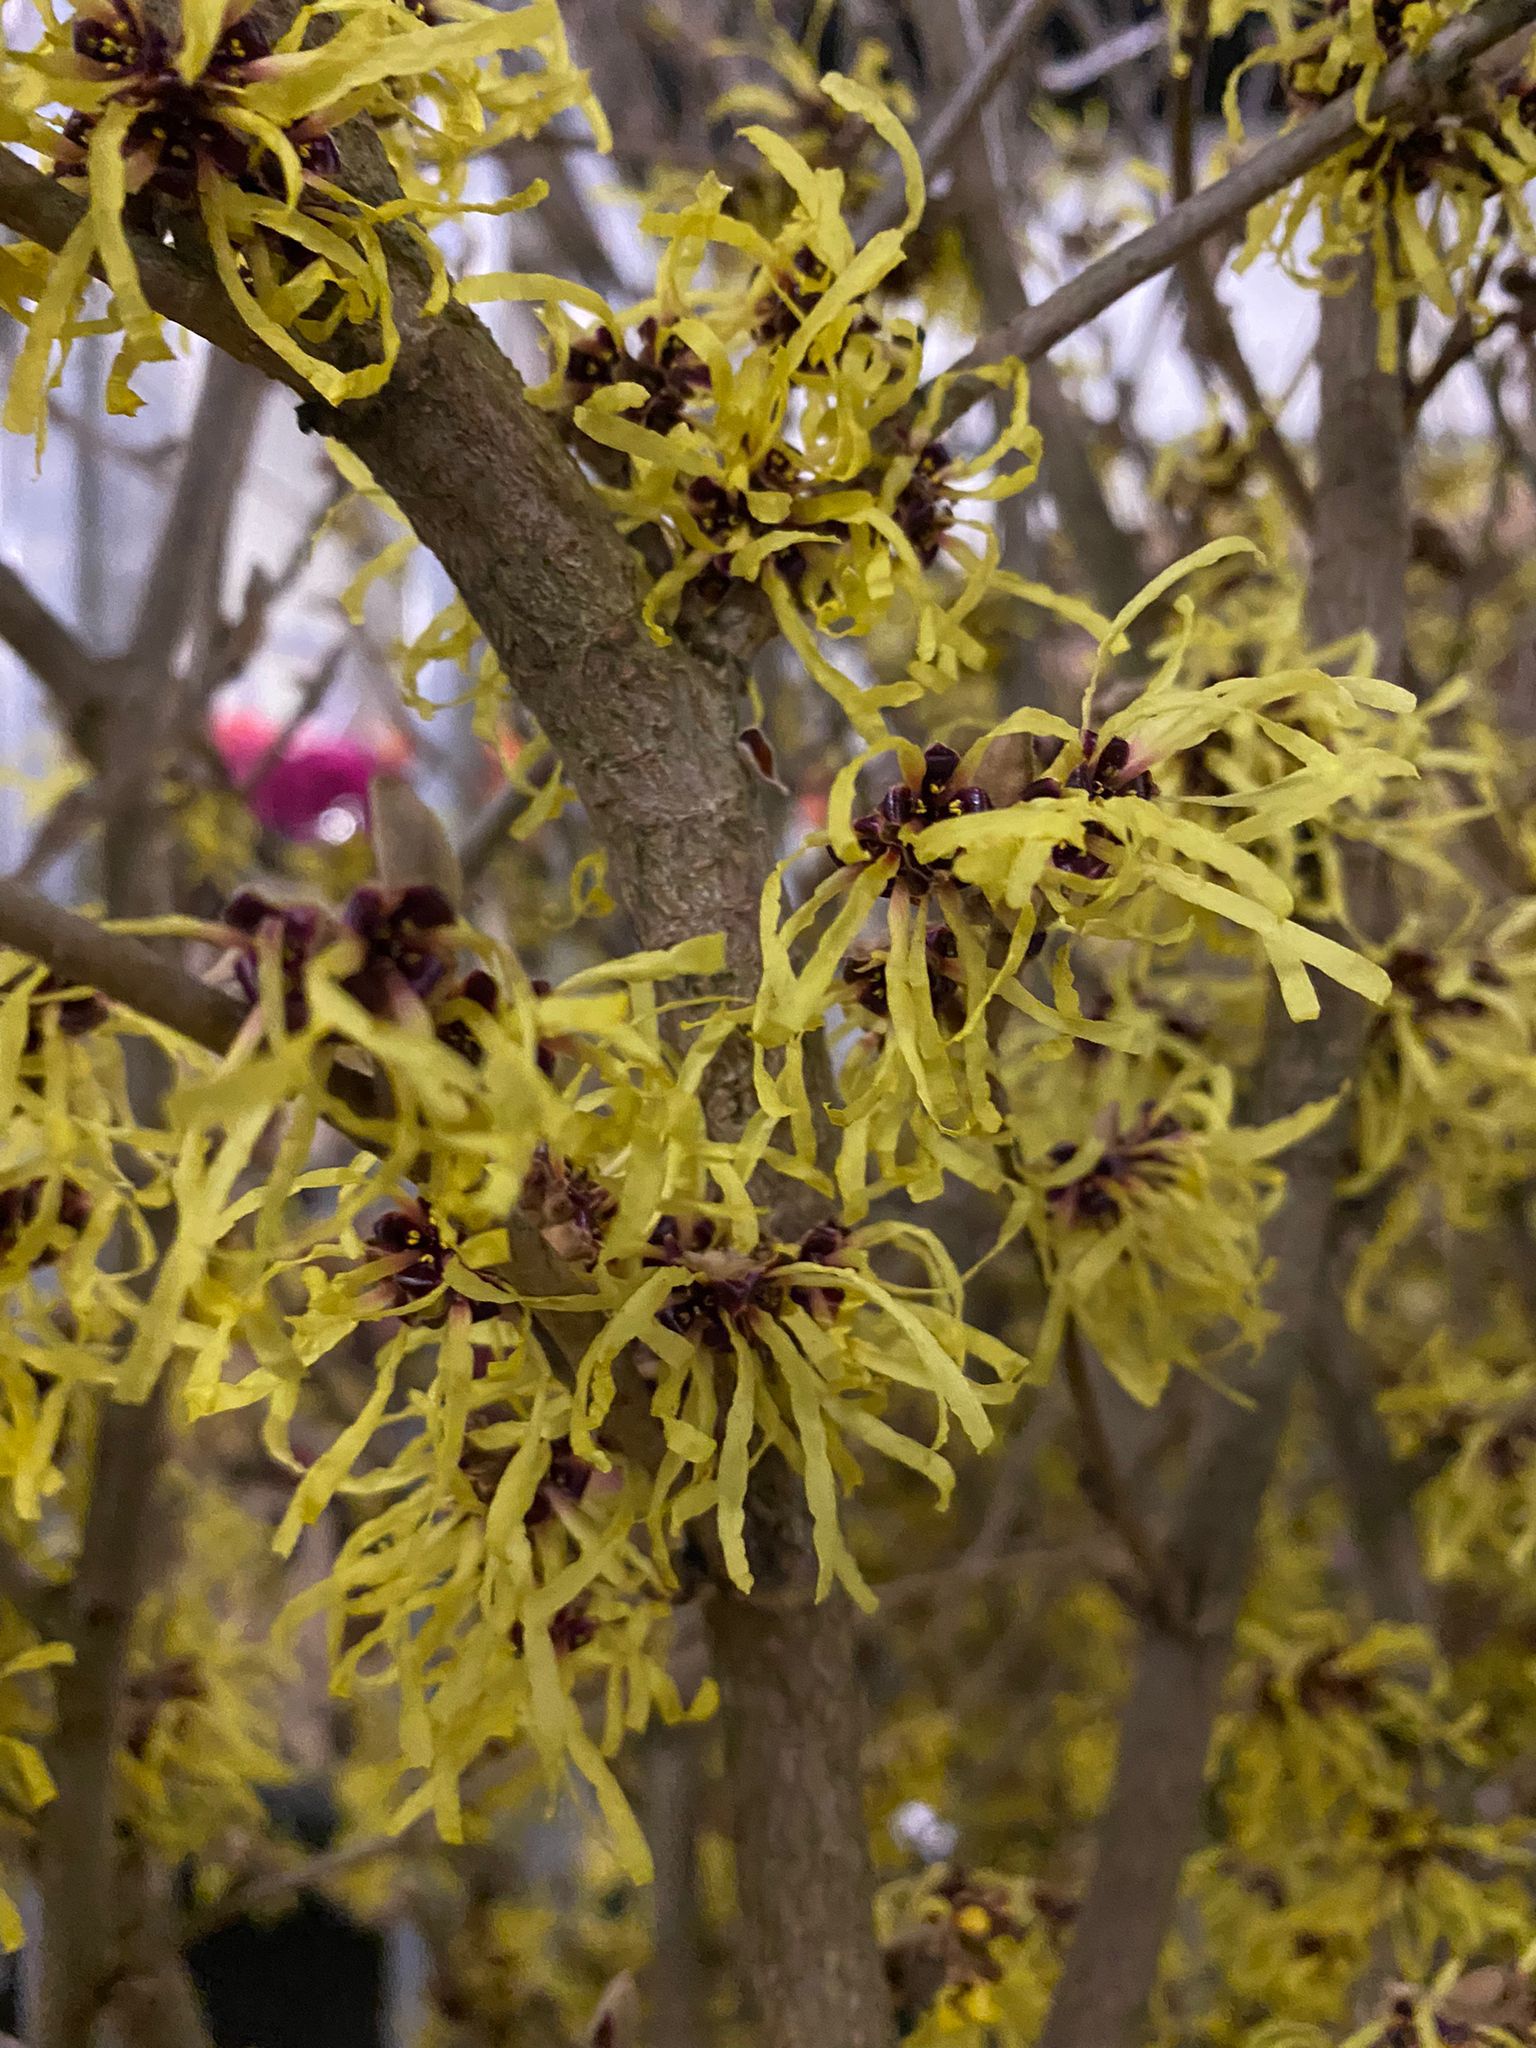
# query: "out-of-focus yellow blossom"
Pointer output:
{"type": "Point", "coordinates": [1491, 2004]}
{"type": "Point", "coordinates": [1451, 1068]}
{"type": "Point", "coordinates": [1465, 1404]}
{"type": "Point", "coordinates": [65, 1195]}
{"type": "Point", "coordinates": [969, 1957]}
{"type": "Point", "coordinates": [201, 1740]}
{"type": "Point", "coordinates": [1326, 1720]}
{"type": "Point", "coordinates": [535, 1966]}
{"type": "Point", "coordinates": [1147, 1222]}
{"type": "Point", "coordinates": [25, 1722]}
{"type": "Point", "coordinates": [827, 134]}
{"type": "Point", "coordinates": [1330, 1766]}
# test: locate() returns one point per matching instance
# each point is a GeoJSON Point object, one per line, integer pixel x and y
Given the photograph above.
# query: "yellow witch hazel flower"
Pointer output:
{"type": "Point", "coordinates": [761, 414]}
{"type": "Point", "coordinates": [502, 1574]}
{"type": "Point", "coordinates": [818, 1344]}
{"type": "Point", "coordinates": [1428, 198]}
{"type": "Point", "coordinates": [968, 1956]}
{"type": "Point", "coordinates": [973, 865]}
{"type": "Point", "coordinates": [64, 1195]}
{"type": "Point", "coordinates": [473, 107]}
{"type": "Point", "coordinates": [1147, 1228]}
{"type": "Point", "coordinates": [201, 1739]}
{"type": "Point", "coordinates": [25, 1781]}
{"type": "Point", "coordinates": [197, 111]}
{"type": "Point", "coordinates": [569, 1215]}
{"type": "Point", "coordinates": [827, 134]}
{"type": "Point", "coordinates": [1451, 1068]}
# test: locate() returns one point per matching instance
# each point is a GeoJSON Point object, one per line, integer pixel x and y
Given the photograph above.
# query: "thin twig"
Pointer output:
{"type": "Point", "coordinates": [1068, 75]}
{"type": "Point", "coordinates": [1463, 338]}
{"type": "Point", "coordinates": [1408, 83]}
{"type": "Point", "coordinates": [1210, 329]}
{"type": "Point", "coordinates": [487, 830]}
{"type": "Point", "coordinates": [956, 119]}
{"type": "Point", "coordinates": [1012, 35]}
{"type": "Point", "coordinates": [274, 1886]}
{"type": "Point", "coordinates": [311, 698]}
{"type": "Point", "coordinates": [182, 587]}
{"type": "Point", "coordinates": [955, 43]}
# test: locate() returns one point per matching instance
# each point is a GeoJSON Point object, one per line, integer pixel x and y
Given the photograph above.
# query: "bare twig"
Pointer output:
{"type": "Point", "coordinates": [64, 667]}
{"type": "Point", "coordinates": [487, 830]}
{"type": "Point", "coordinates": [1464, 337]}
{"type": "Point", "coordinates": [949, 127]}
{"type": "Point", "coordinates": [278, 1887]}
{"type": "Point", "coordinates": [1410, 82]}
{"type": "Point", "coordinates": [311, 697]}
{"type": "Point", "coordinates": [1067, 75]}
{"type": "Point", "coordinates": [1210, 329]}
{"type": "Point", "coordinates": [953, 37]}
{"type": "Point", "coordinates": [182, 588]}
{"type": "Point", "coordinates": [955, 122]}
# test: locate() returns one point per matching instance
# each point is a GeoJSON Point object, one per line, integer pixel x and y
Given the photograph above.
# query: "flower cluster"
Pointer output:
{"type": "Point", "coordinates": [1429, 197]}
{"type": "Point", "coordinates": [761, 415]}
{"type": "Point", "coordinates": [984, 875]}
{"type": "Point", "coordinates": [156, 115]}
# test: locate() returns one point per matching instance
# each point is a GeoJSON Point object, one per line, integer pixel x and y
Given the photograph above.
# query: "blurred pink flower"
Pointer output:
{"type": "Point", "coordinates": [315, 774]}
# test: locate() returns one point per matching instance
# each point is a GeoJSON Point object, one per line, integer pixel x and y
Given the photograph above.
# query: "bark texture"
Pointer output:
{"type": "Point", "coordinates": [793, 1736]}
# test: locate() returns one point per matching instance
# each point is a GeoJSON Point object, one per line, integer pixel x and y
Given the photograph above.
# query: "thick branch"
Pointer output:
{"type": "Point", "coordinates": [1364, 539]}
{"type": "Point", "coordinates": [79, 1860]}
{"type": "Point", "coordinates": [64, 668]}
{"type": "Point", "coordinates": [125, 970]}
{"type": "Point", "coordinates": [952, 40]}
{"type": "Point", "coordinates": [793, 1730]}
{"type": "Point", "coordinates": [1211, 331]}
{"type": "Point", "coordinates": [1411, 82]}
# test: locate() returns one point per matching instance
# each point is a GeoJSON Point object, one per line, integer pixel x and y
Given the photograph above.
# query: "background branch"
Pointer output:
{"type": "Point", "coordinates": [1426, 81]}
{"type": "Point", "coordinates": [1151, 1823]}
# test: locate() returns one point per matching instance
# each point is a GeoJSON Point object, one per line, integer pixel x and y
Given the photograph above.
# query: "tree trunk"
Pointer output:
{"type": "Point", "coordinates": [793, 1736]}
